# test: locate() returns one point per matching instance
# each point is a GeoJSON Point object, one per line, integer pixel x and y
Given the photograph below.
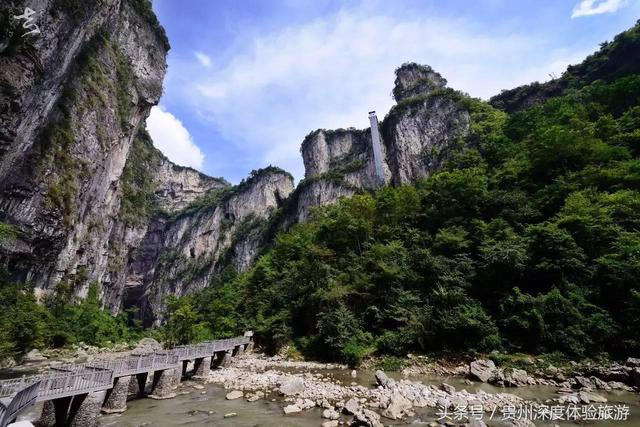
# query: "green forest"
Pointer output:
{"type": "Point", "coordinates": [527, 241]}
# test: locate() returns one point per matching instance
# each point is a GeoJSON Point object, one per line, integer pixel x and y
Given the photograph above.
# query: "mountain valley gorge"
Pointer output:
{"type": "Point", "coordinates": [91, 200]}
{"type": "Point", "coordinates": [454, 249]}
{"type": "Point", "coordinates": [455, 220]}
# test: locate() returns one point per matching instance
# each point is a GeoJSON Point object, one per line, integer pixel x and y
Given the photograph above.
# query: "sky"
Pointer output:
{"type": "Point", "coordinates": [247, 80]}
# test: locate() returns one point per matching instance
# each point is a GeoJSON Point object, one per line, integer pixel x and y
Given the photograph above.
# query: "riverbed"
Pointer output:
{"type": "Point", "coordinates": [205, 403]}
{"type": "Point", "coordinates": [208, 406]}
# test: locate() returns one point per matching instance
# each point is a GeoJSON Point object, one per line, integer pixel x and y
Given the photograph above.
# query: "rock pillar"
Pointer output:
{"type": "Point", "coordinates": [78, 411]}
{"type": "Point", "coordinates": [116, 400]}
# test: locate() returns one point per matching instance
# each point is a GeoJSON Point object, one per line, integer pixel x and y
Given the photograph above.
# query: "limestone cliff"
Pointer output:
{"type": "Point", "coordinates": [72, 99]}
{"type": "Point", "coordinates": [419, 134]}
{"type": "Point", "coordinates": [85, 194]}
{"type": "Point", "coordinates": [182, 253]}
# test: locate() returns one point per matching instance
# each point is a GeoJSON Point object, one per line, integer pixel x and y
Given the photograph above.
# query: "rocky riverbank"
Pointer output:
{"type": "Point", "coordinates": [304, 385]}
{"type": "Point", "coordinates": [614, 376]}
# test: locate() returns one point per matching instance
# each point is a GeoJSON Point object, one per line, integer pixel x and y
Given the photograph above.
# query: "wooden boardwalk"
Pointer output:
{"type": "Point", "coordinates": [77, 379]}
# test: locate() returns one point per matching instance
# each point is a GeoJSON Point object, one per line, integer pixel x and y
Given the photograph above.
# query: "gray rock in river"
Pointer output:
{"type": "Point", "coordinates": [383, 379]}
{"type": "Point", "coordinates": [398, 406]}
{"type": "Point", "coordinates": [292, 387]}
{"type": "Point", "coordinates": [482, 370]}
{"type": "Point", "coordinates": [33, 356]}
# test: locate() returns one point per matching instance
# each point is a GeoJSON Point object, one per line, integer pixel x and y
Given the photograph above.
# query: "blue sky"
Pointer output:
{"type": "Point", "coordinates": [248, 79]}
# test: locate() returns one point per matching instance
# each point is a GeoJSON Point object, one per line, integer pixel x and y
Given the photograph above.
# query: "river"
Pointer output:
{"type": "Point", "coordinates": [205, 404]}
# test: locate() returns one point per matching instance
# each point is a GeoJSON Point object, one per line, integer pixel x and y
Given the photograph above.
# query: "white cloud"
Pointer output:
{"type": "Point", "coordinates": [203, 58]}
{"type": "Point", "coordinates": [173, 139]}
{"type": "Point", "coordinates": [596, 7]}
{"type": "Point", "coordinates": [328, 73]}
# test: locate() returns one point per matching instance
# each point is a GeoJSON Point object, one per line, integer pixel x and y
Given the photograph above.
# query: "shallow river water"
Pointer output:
{"type": "Point", "coordinates": [208, 406]}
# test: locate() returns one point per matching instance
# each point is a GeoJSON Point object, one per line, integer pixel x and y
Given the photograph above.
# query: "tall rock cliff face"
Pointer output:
{"type": "Point", "coordinates": [177, 186]}
{"type": "Point", "coordinates": [425, 127]}
{"type": "Point", "coordinates": [184, 252]}
{"type": "Point", "coordinates": [418, 135]}
{"type": "Point", "coordinates": [86, 195]}
{"type": "Point", "coordinates": [153, 188]}
{"type": "Point", "coordinates": [72, 99]}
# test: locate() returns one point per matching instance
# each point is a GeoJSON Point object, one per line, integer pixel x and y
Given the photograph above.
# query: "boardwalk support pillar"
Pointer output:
{"type": "Point", "coordinates": [80, 410]}
{"type": "Point", "coordinates": [163, 384]}
{"type": "Point", "coordinates": [249, 348]}
{"type": "Point", "coordinates": [87, 411]}
{"type": "Point", "coordinates": [222, 359]}
{"type": "Point", "coordinates": [116, 400]}
{"type": "Point", "coordinates": [138, 386]}
{"type": "Point", "coordinates": [240, 350]}
{"type": "Point", "coordinates": [201, 367]}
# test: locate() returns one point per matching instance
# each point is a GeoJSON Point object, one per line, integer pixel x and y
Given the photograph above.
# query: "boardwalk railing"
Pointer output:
{"type": "Point", "coordinates": [63, 383]}
{"type": "Point", "coordinates": [23, 398]}
{"type": "Point", "coordinates": [72, 379]}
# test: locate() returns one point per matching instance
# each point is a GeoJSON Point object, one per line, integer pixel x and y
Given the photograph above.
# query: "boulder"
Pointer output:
{"type": "Point", "coordinates": [291, 409]}
{"type": "Point", "coordinates": [235, 394]}
{"type": "Point", "coordinates": [367, 418]}
{"type": "Point", "coordinates": [583, 382]}
{"type": "Point", "coordinates": [352, 406]}
{"type": "Point", "coordinates": [448, 388]}
{"type": "Point", "coordinates": [7, 362]}
{"type": "Point", "coordinates": [569, 399]}
{"type": "Point", "coordinates": [482, 370]}
{"type": "Point", "coordinates": [333, 423]}
{"type": "Point", "coordinates": [330, 414]}
{"type": "Point", "coordinates": [147, 345]}
{"type": "Point", "coordinates": [33, 356]}
{"type": "Point", "coordinates": [634, 362]}
{"type": "Point", "coordinates": [599, 384]}
{"type": "Point", "coordinates": [588, 397]}
{"type": "Point", "coordinates": [516, 378]}
{"type": "Point", "coordinates": [293, 386]}
{"type": "Point", "coordinates": [383, 379]}
{"type": "Point", "coordinates": [398, 406]}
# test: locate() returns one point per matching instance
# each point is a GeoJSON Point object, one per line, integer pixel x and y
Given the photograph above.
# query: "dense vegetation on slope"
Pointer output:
{"type": "Point", "coordinates": [531, 242]}
{"type": "Point", "coordinates": [615, 59]}
{"type": "Point", "coordinates": [61, 320]}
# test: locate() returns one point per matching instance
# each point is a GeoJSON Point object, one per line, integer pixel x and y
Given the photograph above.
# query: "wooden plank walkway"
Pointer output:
{"type": "Point", "coordinates": [74, 379]}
